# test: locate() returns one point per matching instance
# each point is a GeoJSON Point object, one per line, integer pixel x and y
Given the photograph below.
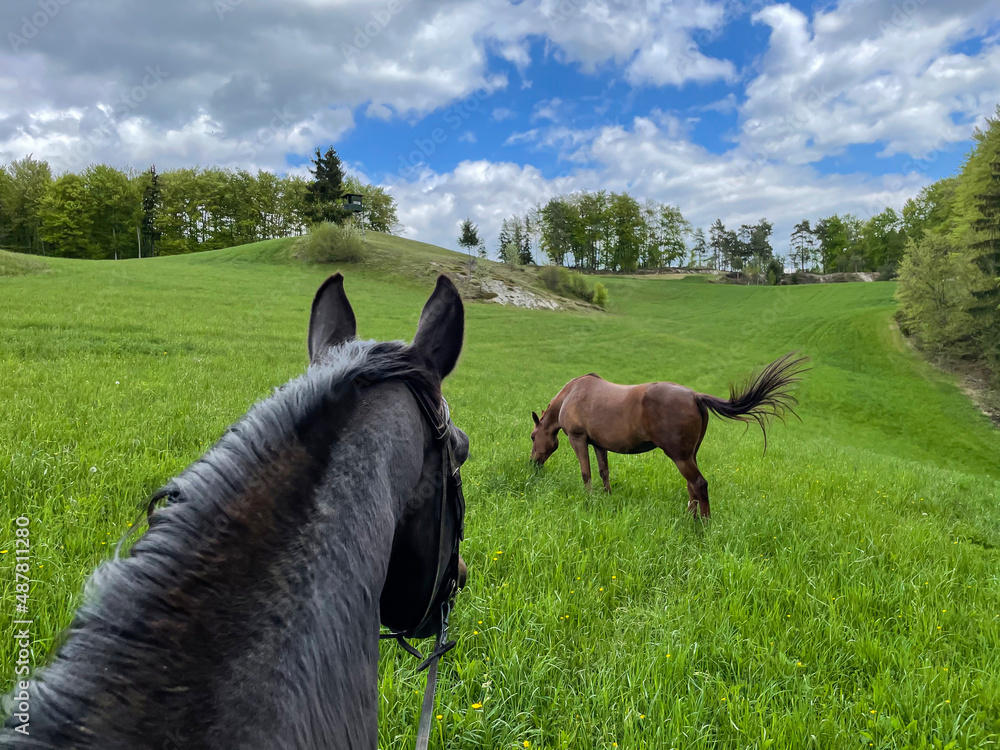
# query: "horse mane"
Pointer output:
{"type": "Point", "coordinates": [255, 485]}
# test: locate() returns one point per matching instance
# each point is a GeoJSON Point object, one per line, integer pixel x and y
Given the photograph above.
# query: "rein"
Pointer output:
{"type": "Point", "coordinates": [430, 663]}
{"type": "Point", "coordinates": [446, 579]}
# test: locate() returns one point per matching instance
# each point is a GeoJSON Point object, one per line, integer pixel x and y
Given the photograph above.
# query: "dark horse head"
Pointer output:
{"type": "Point", "coordinates": [248, 614]}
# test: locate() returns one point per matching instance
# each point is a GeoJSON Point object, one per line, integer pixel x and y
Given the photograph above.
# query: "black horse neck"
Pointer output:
{"type": "Point", "coordinates": [263, 631]}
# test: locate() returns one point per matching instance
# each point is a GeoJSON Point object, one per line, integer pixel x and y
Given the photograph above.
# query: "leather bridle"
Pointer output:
{"type": "Point", "coordinates": [442, 598]}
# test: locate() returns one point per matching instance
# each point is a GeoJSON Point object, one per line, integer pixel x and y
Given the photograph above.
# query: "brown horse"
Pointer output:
{"type": "Point", "coordinates": [671, 417]}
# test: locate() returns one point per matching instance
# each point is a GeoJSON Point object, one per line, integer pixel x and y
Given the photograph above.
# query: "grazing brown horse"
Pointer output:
{"type": "Point", "coordinates": [671, 417]}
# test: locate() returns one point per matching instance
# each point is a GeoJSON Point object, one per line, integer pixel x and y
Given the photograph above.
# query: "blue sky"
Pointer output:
{"type": "Point", "coordinates": [484, 108]}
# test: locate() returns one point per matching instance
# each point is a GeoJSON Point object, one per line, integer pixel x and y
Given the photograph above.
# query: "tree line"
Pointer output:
{"type": "Point", "coordinates": [104, 212]}
{"type": "Point", "coordinates": [615, 232]}
{"type": "Point", "coordinates": [599, 230]}
{"type": "Point", "coordinates": [848, 243]}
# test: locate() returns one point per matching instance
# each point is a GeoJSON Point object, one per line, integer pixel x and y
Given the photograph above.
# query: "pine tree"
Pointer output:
{"type": "Point", "coordinates": [150, 209]}
{"type": "Point", "coordinates": [507, 241]}
{"type": "Point", "coordinates": [986, 255]}
{"type": "Point", "coordinates": [802, 245]}
{"type": "Point", "coordinates": [469, 238]}
{"type": "Point", "coordinates": [717, 235]}
{"type": "Point", "coordinates": [524, 256]}
{"type": "Point", "coordinates": [699, 247]}
{"type": "Point", "coordinates": [327, 188]}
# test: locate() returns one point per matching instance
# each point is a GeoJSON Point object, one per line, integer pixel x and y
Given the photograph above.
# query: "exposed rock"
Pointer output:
{"type": "Point", "coordinates": [801, 277]}
{"type": "Point", "coordinates": [506, 294]}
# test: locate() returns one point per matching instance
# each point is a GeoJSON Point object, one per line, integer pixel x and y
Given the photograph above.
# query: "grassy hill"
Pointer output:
{"type": "Point", "coordinates": [403, 260]}
{"type": "Point", "coordinates": [845, 595]}
{"type": "Point", "coordinates": [17, 264]}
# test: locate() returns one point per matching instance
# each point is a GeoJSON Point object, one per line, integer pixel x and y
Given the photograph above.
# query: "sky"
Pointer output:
{"type": "Point", "coordinates": [483, 108]}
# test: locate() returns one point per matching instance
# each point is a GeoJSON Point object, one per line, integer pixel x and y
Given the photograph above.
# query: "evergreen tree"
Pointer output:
{"type": "Point", "coordinates": [469, 238]}
{"type": "Point", "coordinates": [986, 255]}
{"type": "Point", "coordinates": [741, 247]}
{"type": "Point", "coordinates": [699, 247]}
{"type": "Point", "coordinates": [507, 246]}
{"type": "Point", "coordinates": [327, 188]}
{"type": "Point", "coordinates": [717, 243]}
{"type": "Point", "coordinates": [802, 245]}
{"type": "Point", "coordinates": [524, 255]}
{"type": "Point", "coordinates": [150, 209]}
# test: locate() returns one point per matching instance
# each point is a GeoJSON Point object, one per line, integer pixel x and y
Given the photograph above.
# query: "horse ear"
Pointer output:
{"type": "Point", "coordinates": [441, 327]}
{"type": "Point", "coordinates": [535, 417]}
{"type": "Point", "coordinates": [332, 320]}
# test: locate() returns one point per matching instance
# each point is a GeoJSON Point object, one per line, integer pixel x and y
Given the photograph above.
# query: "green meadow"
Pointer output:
{"type": "Point", "coordinates": [846, 593]}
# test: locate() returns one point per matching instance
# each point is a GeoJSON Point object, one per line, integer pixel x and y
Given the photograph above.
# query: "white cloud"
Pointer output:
{"type": "Point", "coordinates": [723, 106]}
{"type": "Point", "coordinates": [379, 111]}
{"type": "Point", "coordinates": [861, 74]}
{"type": "Point", "coordinates": [547, 109]}
{"type": "Point", "coordinates": [503, 113]}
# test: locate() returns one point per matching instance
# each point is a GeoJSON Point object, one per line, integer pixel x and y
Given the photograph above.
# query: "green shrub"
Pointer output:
{"type": "Point", "coordinates": [935, 295]}
{"type": "Point", "coordinates": [600, 294]}
{"type": "Point", "coordinates": [579, 287]}
{"type": "Point", "coordinates": [550, 277]}
{"type": "Point", "coordinates": [888, 271]}
{"type": "Point", "coordinates": [570, 284]}
{"type": "Point", "coordinates": [775, 271]}
{"type": "Point", "coordinates": [331, 243]}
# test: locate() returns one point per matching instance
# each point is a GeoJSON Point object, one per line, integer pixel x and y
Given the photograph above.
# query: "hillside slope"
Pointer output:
{"type": "Point", "coordinates": [402, 258]}
{"type": "Point", "coordinates": [846, 589]}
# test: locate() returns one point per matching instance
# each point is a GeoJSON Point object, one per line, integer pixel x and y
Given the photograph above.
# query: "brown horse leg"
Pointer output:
{"type": "Point", "coordinates": [583, 454]}
{"type": "Point", "coordinates": [602, 467]}
{"type": "Point", "coordinates": [697, 486]}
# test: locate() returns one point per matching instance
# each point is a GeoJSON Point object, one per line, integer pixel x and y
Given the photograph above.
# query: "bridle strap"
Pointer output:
{"type": "Point", "coordinates": [438, 417]}
{"type": "Point", "coordinates": [430, 663]}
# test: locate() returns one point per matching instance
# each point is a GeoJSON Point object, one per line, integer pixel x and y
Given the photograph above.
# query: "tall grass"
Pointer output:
{"type": "Point", "coordinates": [845, 594]}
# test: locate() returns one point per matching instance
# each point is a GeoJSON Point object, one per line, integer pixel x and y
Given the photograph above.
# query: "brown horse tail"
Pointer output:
{"type": "Point", "coordinates": [762, 397]}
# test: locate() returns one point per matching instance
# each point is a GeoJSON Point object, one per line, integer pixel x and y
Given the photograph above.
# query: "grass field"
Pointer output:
{"type": "Point", "coordinates": [845, 595]}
